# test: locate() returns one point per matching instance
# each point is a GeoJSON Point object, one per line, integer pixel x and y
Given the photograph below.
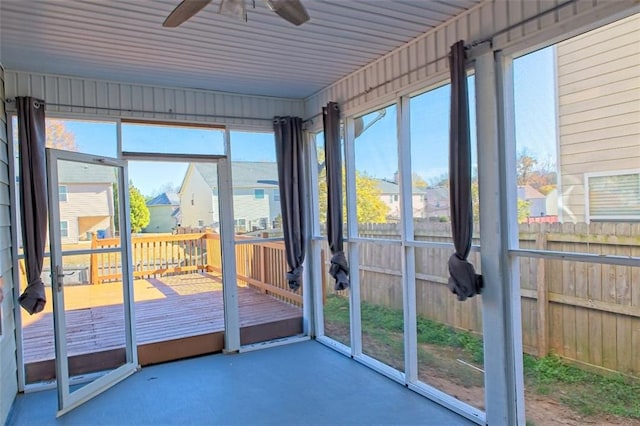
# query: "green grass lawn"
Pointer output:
{"type": "Point", "coordinates": [586, 393]}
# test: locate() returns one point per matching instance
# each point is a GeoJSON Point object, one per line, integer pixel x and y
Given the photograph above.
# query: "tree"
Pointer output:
{"type": "Point", "coordinates": [525, 166]}
{"type": "Point", "coordinates": [441, 181]}
{"type": "Point", "coordinates": [524, 210]}
{"type": "Point", "coordinates": [139, 211]}
{"type": "Point", "coordinates": [418, 181]}
{"type": "Point", "coordinates": [540, 175]}
{"type": "Point", "coordinates": [524, 207]}
{"type": "Point", "coordinates": [59, 137]}
{"type": "Point", "coordinates": [369, 205]}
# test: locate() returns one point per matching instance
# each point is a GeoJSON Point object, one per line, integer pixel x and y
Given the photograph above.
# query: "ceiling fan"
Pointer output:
{"type": "Point", "coordinates": [290, 10]}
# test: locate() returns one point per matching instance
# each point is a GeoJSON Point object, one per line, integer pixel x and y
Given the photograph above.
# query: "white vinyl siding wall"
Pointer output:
{"type": "Point", "coordinates": [8, 372]}
{"type": "Point", "coordinates": [86, 201]}
{"type": "Point", "coordinates": [423, 61]}
{"type": "Point", "coordinates": [163, 103]}
{"type": "Point", "coordinates": [196, 201]}
{"type": "Point", "coordinates": [599, 108]}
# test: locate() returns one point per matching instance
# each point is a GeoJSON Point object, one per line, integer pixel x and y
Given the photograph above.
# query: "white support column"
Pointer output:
{"type": "Point", "coordinates": [504, 399]}
{"type": "Point", "coordinates": [352, 232]}
{"type": "Point", "coordinates": [408, 252]}
{"type": "Point", "coordinates": [228, 248]}
{"type": "Point", "coordinates": [309, 283]}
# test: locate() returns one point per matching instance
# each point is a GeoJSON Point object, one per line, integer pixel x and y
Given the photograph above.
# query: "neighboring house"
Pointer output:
{"type": "Point", "coordinates": [256, 197]}
{"type": "Point", "coordinates": [537, 201]}
{"type": "Point", "coordinates": [599, 124]}
{"type": "Point", "coordinates": [390, 195]}
{"type": "Point", "coordinates": [86, 201]}
{"type": "Point", "coordinates": [436, 204]}
{"type": "Point", "coordinates": [164, 211]}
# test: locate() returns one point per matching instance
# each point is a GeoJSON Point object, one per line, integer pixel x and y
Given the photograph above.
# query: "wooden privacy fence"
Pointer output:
{"type": "Point", "coordinates": [585, 312]}
{"type": "Point", "coordinates": [260, 265]}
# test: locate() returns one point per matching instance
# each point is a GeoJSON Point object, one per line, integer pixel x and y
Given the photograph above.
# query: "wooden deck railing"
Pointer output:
{"type": "Point", "coordinates": [260, 265]}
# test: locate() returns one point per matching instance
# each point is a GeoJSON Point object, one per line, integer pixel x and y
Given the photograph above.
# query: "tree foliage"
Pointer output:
{"type": "Point", "coordinates": [540, 175]}
{"type": "Point", "coordinates": [418, 181]}
{"type": "Point", "coordinates": [140, 216]}
{"type": "Point", "coordinates": [369, 205]}
{"type": "Point", "coordinates": [59, 137]}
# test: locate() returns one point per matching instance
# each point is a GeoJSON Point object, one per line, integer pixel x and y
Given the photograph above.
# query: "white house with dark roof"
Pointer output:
{"type": "Point", "coordinates": [164, 212]}
{"type": "Point", "coordinates": [256, 197]}
{"type": "Point", "coordinates": [86, 201]}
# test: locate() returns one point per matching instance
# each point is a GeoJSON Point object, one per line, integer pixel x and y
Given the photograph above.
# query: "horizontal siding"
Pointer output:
{"type": "Point", "coordinates": [599, 104]}
{"type": "Point", "coordinates": [619, 108]}
{"type": "Point", "coordinates": [111, 99]}
{"type": "Point", "coordinates": [592, 146]}
{"type": "Point", "coordinates": [423, 62]}
{"type": "Point", "coordinates": [8, 382]}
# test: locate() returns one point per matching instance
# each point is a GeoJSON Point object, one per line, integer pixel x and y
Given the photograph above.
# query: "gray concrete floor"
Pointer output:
{"type": "Point", "coordinates": [303, 383]}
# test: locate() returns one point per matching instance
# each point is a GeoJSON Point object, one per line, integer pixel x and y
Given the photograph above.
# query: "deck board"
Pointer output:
{"type": "Point", "coordinates": [182, 306]}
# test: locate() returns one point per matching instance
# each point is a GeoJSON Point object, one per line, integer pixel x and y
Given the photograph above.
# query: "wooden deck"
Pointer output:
{"type": "Point", "coordinates": [176, 317]}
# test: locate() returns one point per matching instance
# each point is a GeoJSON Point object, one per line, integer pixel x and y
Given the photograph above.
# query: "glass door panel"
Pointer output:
{"type": "Point", "coordinates": [91, 275]}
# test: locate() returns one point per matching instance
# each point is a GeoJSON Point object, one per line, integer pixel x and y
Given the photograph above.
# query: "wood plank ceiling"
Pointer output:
{"type": "Point", "coordinates": [123, 40]}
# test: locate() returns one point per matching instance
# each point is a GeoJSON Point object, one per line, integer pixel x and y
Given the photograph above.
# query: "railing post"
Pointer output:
{"type": "Point", "coordinates": [94, 260]}
{"type": "Point", "coordinates": [543, 296]}
{"type": "Point", "coordinates": [209, 247]}
{"type": "Point", "coordinates": [263, 266]}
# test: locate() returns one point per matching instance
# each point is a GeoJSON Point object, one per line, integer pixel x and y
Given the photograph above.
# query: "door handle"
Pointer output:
{"type": "Point", "coordinates": [59, 278]}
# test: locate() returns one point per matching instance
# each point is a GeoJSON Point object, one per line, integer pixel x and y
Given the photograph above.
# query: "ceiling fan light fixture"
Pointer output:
{"type": "Point", "coordinates": [234, 8]}
{"type": "Point", "coordinates": [291, 10]}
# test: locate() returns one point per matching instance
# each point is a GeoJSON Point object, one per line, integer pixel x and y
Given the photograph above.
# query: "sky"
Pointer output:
{"type": "Point", "coordinates": [375, 148]}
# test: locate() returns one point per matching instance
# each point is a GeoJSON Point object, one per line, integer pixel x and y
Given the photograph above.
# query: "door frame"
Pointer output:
{"type": "Point", "coordinates": [227, 243]}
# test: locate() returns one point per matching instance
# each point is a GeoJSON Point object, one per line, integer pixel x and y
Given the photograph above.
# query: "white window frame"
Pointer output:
{"type": "Point", "coordinates": [587, 202]}
{"type": "Point", "coordinates": [63, 195]}
{"type": "Point", "coordinates": [64, 230]}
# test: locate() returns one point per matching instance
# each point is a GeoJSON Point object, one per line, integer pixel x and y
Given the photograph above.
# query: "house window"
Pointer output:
{"type": "Point", "coordinates": [613, 195]}
{"type": "Point", "coordinates": [276, 195]}
{"type": "Point", "coordinates": [240, 225]}
{"type": "Point", "coordinates": [200, 223]}
{"type": "Point", "coordinates": [62, 193]}
{"type": "Point", "coordinates": [64, 228]}
{"type": "Point", "coordinates": [258, 194]}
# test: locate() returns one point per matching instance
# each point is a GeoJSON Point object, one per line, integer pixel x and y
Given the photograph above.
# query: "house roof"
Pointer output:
{"type": "Point", "coordinates": [437, 194]}
{"type": "Point", "coordinates": [527, 192]}
{"type": "Point", "coordinates": [71, 172]}
{"type": "Point", "coordinates": [165, 199]}
{"type": "Point", "coordinates": [387, 187]}
{"type": "Point", "coordinates": [245, 174]}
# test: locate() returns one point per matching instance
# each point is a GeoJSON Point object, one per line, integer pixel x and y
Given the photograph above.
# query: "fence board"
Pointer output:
{"type": "Point", "coordinates": [589, 308]}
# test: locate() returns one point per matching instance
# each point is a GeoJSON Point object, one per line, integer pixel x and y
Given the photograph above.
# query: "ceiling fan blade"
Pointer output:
{"type": "Point", "coordinates": [184, 11]}
{"type": "Point", "coordinates": [291, 10]}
